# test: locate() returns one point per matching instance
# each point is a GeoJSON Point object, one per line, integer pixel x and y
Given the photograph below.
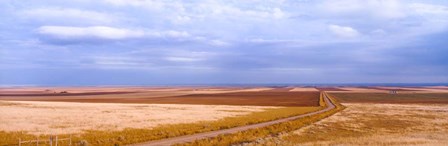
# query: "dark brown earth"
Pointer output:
{"type": "Point", "coordinates": [390, 88]}
{"type": "Point", "coordinates": [432, 98]}
{"type": "Point", "coordinates": [265, 98]}
{"type": "Point", "coordinates": [63, 94]}
{"type": "Point", "coordinates": [274, 97]}
{"type": "Point", "coordinates": [438, 88]}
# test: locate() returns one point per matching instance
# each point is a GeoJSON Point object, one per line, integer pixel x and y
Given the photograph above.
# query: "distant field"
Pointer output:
{"type": "Point", "coordinates": [62, 94]}
{"type": "Point", "coordinates": [207, 96]}
{"type": "Point", "coordinates": [329, 89]}
{"type": "Point", "coordinates": [279, 90]}
{"type": "Point", "coordinates": [438, 88]}
{"type": "Point", "coordinates": [264, 98]}
{"type": "Point", "coordinates": [391, 88]}
{"type": "Point", "coordinates": [392, 98]}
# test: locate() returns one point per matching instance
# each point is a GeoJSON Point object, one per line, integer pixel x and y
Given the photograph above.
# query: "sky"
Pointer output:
{"type": "Point", "coordinates": [169, 42]}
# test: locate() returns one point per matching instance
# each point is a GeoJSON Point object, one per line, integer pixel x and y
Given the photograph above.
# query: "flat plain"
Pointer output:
{"type": "Point", "coordinates": [125, 115]}
{"type": "Point", "coordinates": [412, 116]}
{"type": "Point", "coordinates": [201, 95]}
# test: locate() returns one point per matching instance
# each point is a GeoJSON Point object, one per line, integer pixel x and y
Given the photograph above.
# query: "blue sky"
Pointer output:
{"type": "Point", "coordinates": [145, 42]}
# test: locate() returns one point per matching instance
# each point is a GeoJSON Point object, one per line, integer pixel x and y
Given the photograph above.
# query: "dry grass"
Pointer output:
{"type": "Point", "coordinates": [376, 124]}
{"type": "Point", "coordinates": [64, 117]}
{"type": "Point", "coordinates": [135, 135]}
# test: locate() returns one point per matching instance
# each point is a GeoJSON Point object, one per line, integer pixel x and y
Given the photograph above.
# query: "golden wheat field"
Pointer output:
{"type": "Point", "coordinates": [68, 117]}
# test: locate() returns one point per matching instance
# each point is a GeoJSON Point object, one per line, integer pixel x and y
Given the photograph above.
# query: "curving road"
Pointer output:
{"type": "Point", "coordinates": [193, 137]}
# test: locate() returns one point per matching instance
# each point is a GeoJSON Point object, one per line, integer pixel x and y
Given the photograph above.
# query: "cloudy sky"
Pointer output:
{"type": "Point", "coordinates": [151, 42]}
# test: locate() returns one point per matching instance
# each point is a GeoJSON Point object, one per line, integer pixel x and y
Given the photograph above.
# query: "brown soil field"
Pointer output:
{"type": "Point", "coordinates": [78, 89]}
{"type": "Point", "coordinates": [387, 89]}
{"type": "Point", "coordinates": [439, 88]}
{"type": "Point", "coordinates": [182, 95]}
{"type": "Point", "coordinates": [360, 89]}
{"type": "Point", "coordinates": [392, 88]}
{"type": "Point", "coordinates": [264, 98]}
{"type": "Point", "coordinates": [63, 94]}
{"type": "Point", "coordinates": [106, 98]}
{"type": "Point", "coordinates": [436, 98]}
{"type": "Point", "coordinates": [104, 90]}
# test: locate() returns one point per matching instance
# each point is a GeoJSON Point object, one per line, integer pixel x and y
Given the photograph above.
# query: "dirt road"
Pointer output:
{"type": "Point", "coordinates": [191, 138]}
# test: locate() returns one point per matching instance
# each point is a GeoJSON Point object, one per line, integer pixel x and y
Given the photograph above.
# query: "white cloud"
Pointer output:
{"type": "Point", "coordinates": [230, 11]}
{"type": "Point", "coordinates": [182, 59]}
{"type": "Point", "coordinates": [378, 32]}
{"type": "Point", "coordinates": [181, 12]}
{"type": "Point", "coordinates": [388, 9]}
{"type": "Point", "coordinates": [136, 2]}
{"type": "Point", "coordinates": [278, 13]}
{"type": "Point", "coordinates": [343, 31]}
{"type": "Point", "coordinates": [100, 32]}
{"type": "Point", "coordinates": [68, 13]}
{"type": "Point", "coordinates": [188, 57]}
{"type": "Point", "coordinates": [430, 9]}
{"type": "Point", "coordinates": [117, 62]}
{"type": "Point", "coordinates": [153, 5]}
{"type": "Point", "coordinates": [110, 33]}
{"type": "Point", "coordinates": [176, 34]}
{"type": "Point", "coordinates": [181, 19]}
{"type": "Point", "coordinates": [286, 69]}
{"type": "Point", "coordinates": [432, 18]}
{"type": "Point", "coordinates": [219, 43]}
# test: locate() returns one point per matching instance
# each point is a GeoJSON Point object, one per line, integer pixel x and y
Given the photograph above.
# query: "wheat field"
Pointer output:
{"type": "Point", "coordinates": [68, 117]}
